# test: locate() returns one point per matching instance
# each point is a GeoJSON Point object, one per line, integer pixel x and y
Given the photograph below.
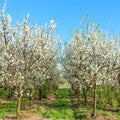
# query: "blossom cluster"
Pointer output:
{"type": "Point", "coordinates": [27, 52]}
{"type": "Point", "coordinates": [92, 57]}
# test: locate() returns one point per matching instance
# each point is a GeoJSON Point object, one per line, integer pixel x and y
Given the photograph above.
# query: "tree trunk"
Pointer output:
{"type": "Point", "coordinates": [30, 97]}
{"type": "Point", "coordinates": [40, 94]}
{"type": "Point", "coordinates": [10, 94]}
{"type": "Point", "coordinates": [77, 94]}
{"type": "Point", "coordinates": [85, 96]}
{"type": "Point", "coordinates": [94, 98]}
{"type": "Point", "coordinates": [19, 101]}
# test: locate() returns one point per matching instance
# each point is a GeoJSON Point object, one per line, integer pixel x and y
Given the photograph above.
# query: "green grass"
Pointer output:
{"type": "Point", "coordinates": [7, 108]}
{"type": "Point", "coordinates": [55, 114]}
{"type": "Point", "coordinates": [107, 113]}
{"type": "Point", "coordinates": [80, 114]}
{"type": "Point", "coordinates": [61, 108]}
{"type": "Point", "coordinates": [60, 103]}
{"type": "Point", "coordinates": [41, 110]}
{"type": "Point", "coordinates": [62, 93]}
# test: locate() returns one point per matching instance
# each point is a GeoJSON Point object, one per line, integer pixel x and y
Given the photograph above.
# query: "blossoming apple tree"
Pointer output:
{"type": "Point", "coordinates": [28, 55]}
{"type": "Point", "coordinates": [89, 59]}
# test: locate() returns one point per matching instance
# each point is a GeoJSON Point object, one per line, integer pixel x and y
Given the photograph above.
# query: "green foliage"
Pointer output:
{"type": "Point", "coordinates": [60, 103]}
{"type": "Point", "coordinates": [48, 88]}
{"type": "Point", "coordinates": [60, 107]}
{"type": "Point", "coordinates": [107, 95]}
{"type": "Point", "coordinates": [114, 103]}
{"type": "Point", "coordinates": [25, 101]}
{"type": "Point", "coordinates": [119, 112]}
{"type": "Point", "coordinates": [80, 114]}
{"type": "Point", "coordinates": [62, 93]}
{"type": "Point", "coordinates": [55, 114]}
{"type": "Point", "coordinates": [7, 108]}
{"type": "Point", "coordinates": [40, 110]}
{"type": "Point", "coordinates": [3, 93]}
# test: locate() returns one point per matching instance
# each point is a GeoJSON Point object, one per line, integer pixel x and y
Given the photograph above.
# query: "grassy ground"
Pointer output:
{"type": "Point", "coordinates": [60, 105]}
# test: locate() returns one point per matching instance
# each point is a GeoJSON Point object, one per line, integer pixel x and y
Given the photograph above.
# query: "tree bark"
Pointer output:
{"type": "Point", "coordinates": [30, 98]}
{"type": "Point", "coordinates": [19, 101]}
{"type": "Point", "coordinates": [94, 98]}
{"type": "Point", "coordinates": [10, 93]}
{"type": "Point", "coordinates": [85, 96]}
{"type": "Point", "coordinates": [40, 94]}
{"type": "Point", "coordinates": [77, 94]}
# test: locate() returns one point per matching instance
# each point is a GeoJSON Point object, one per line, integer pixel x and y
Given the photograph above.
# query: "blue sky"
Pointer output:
{"type": "Point", "coordinates": [67, 13]}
